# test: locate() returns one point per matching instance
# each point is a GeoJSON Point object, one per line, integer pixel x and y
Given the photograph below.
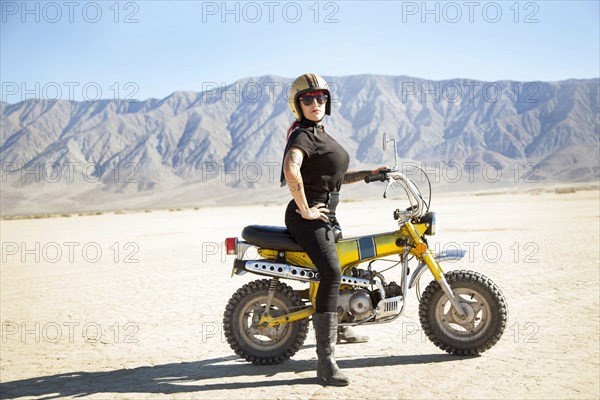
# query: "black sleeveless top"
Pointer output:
{"type": "Point", "coordinates": [325, 160]}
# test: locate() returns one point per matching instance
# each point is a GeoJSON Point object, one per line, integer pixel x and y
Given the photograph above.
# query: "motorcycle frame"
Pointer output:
{"type": "Point", "coordinates": [406, 241]}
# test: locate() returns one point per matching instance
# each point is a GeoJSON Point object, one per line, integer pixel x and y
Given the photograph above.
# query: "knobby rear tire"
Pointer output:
{"type": "Point", "coordinates": [263, 346]}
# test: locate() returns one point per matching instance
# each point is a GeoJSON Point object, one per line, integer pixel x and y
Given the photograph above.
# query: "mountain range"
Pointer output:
{"type": "Point", "coordinates": [224, 145]}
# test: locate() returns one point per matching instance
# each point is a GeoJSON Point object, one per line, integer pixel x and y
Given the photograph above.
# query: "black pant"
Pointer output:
{"type": "Point", "coordinates": [317, 239]}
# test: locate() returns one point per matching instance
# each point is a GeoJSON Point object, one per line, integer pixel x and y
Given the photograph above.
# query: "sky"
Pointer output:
{"type": "Point", "coordinates": [82, 50]}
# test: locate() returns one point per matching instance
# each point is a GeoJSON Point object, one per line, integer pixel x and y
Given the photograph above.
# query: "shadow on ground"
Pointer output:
{"type": "Point", "coordinates": [177, 377]}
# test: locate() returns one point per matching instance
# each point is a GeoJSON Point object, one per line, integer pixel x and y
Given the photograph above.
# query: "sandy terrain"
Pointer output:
{"type": "Point", "coordinates": [130, 306]}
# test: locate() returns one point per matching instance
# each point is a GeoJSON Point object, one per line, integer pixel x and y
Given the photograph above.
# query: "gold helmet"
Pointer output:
{"type": "Point", "coordinates": [304, 84]}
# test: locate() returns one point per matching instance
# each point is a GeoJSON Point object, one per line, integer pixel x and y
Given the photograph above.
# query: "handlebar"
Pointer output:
{"type": "Point", "coordinates": [418, 207]}
{"type": "Point", "coordinates": [380, 176]}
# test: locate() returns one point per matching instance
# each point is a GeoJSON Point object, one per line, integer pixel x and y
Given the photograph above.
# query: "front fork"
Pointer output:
{"type": "Point", "coordinates": [435, 268]}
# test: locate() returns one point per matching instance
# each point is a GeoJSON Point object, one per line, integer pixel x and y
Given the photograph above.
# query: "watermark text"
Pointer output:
{"type": "Point", "coordinates": [253, 12]}
{"type": "Point", "coordinates": [71, 252]}
{"type": "Point", "coordinates": [53, 12]}
{"type": "Point", "coordinates": [69, 172]}
{"type": "Point", "coordinates": [91, 92]}
{"type": "Point", "coordinates": [453, 12]}
{"type": "Point", "coordinates": [69, 332]}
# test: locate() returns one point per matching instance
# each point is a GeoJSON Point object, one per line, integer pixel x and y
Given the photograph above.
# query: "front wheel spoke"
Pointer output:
{"type": "Point", "coordinates": [449, 316]}
{"type": "Point", "coordinates": [477, 307]}
{"type": "Point", "coordinates": [470, 327]}
{"type": "Point", "coordinates": [466, 300]}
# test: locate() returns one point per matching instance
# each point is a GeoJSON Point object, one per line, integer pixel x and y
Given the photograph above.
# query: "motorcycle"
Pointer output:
{"type": "Point", "coordinates": [266, 321]}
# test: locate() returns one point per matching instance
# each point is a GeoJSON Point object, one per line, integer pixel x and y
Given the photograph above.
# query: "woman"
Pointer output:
{"type": "Point", "coordinates": [315, 167]}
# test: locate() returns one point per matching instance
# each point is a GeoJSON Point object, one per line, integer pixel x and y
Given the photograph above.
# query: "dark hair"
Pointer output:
{"type": "Point", "coordinates": [291, 129]}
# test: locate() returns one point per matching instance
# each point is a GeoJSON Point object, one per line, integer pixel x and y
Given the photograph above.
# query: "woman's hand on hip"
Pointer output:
{"type": "Point", "coordinates": [319, 211]}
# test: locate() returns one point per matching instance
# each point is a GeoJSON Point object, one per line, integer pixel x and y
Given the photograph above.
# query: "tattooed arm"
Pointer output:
{"type": "Point", "coordinates": [355, 176]}
{"type": "Point", "coordinates": [291, 170]}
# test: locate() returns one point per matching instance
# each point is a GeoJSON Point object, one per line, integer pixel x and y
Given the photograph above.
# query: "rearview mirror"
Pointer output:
{"type": "Point", "coordinates": [385, 142]}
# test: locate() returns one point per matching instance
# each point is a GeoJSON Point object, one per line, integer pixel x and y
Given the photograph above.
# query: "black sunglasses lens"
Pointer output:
{"type": "Point", "coordinates": [308, 100]}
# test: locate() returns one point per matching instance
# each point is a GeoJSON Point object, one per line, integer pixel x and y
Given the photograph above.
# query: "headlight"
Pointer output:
{"type": "Point", "coordinates": [430, 218]}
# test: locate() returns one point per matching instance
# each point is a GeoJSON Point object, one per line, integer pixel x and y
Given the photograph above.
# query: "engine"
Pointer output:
{"type": "Point", "coordinates": [354, 305]}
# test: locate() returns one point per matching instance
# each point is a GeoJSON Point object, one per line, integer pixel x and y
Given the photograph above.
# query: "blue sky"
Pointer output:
{"type": "Point", "coordinates": [153, 48]}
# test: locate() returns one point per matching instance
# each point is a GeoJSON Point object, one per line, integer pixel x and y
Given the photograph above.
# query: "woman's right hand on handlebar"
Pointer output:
{"type": "Point", "coordinates": [319, 211]}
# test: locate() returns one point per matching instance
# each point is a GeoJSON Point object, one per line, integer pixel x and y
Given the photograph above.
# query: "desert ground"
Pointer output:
{"type": "Point", "coordinates": [129, 305]}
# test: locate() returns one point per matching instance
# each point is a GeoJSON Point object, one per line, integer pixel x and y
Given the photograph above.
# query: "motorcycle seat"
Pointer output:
{"type": "Point", "coordinates": [274, 237]}
{"type": "Point", "coordinates": [270, 237]}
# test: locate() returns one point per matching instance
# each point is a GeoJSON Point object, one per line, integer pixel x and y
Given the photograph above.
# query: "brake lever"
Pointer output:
{"type": "Point", "coordinates": [390, 183]}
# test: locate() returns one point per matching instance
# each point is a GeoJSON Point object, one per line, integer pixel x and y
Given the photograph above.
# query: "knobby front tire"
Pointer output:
{"type": "Point", "coordinates": [486, 310]}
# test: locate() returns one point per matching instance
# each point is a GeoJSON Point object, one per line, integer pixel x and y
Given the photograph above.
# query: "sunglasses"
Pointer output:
{"type": "Point", "coordinates": [308, 100]}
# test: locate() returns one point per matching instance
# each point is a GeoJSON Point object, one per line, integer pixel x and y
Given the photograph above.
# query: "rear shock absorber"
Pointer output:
{"type": "Point", "coordinates": [271, 293]}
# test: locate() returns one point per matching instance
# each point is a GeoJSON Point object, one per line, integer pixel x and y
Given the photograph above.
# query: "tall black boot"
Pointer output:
{"type": "Point", "coordinates": [325, 325]}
